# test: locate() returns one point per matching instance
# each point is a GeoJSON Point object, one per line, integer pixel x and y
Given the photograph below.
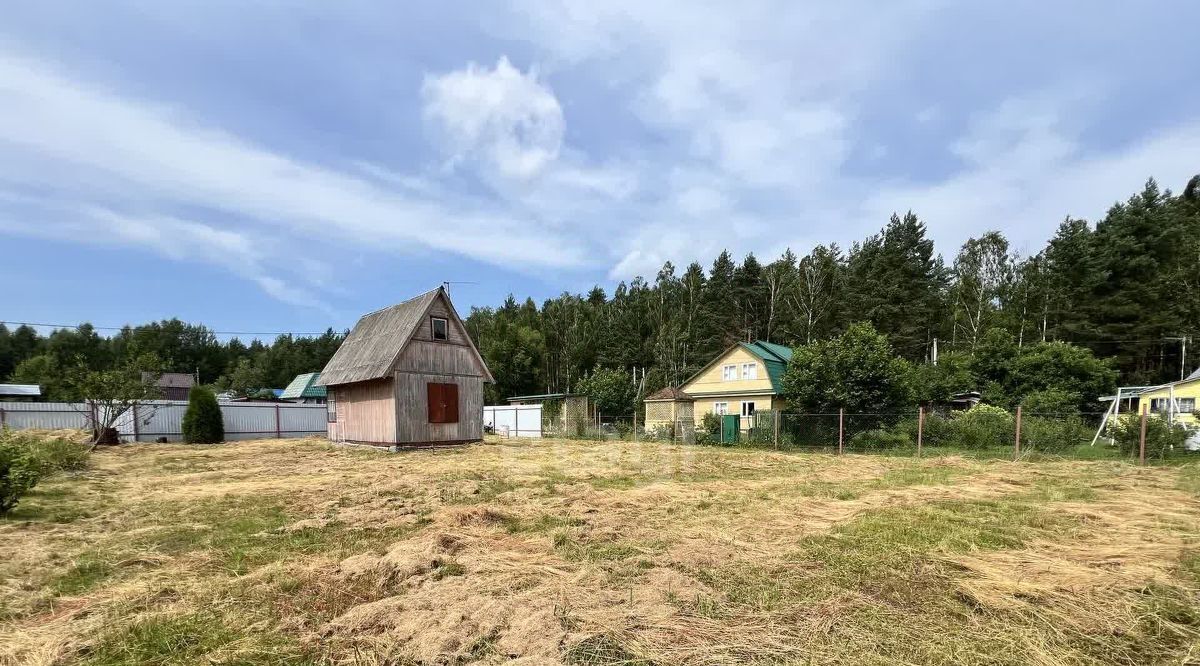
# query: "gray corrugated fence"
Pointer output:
{"type": "Point", "coordinates": [161, 418]}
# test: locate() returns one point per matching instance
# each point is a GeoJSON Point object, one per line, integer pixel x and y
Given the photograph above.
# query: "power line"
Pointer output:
{"type": "Point", "coordinates": [121, 328]}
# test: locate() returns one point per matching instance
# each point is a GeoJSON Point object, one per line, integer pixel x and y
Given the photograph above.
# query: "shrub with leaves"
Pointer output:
{"type": "Point", "coordinates": [1054, 434]}
{"type": "Point", "coordinates": [203, 423]}
{"type": "Point", "coordinates": [1161, 437]}
{"type": "Point", "coordinates": [981, 427]}
{"type": "Point", "coordinates": [19, 471]}
{"type": "Point", "coordinates": [881, 439]}
{"type": "Point", "coordinates": [856, 371]}
{"type": "Point", "coordinates": [709, 429]}
{"type": "Point", "coordinates": [1052, 401]}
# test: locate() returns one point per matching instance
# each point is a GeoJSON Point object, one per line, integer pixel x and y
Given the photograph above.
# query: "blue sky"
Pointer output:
{"type": "Point", "coordinates": [288, 166]}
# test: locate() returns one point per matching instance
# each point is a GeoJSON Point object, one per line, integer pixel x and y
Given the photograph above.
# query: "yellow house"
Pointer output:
{"type": "Point", "coordinates": [1177, 400]}
{"type": "Point", "coordinates": [743, 380]}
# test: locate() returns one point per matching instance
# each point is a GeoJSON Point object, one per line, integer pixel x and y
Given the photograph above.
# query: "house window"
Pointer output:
{"type": "Point", "coordinates": [749, 371]}
{"type": "Point", "coordinates": [720, 408]}
{"type": "Point", "coordinates": [728, 373]}
{"type": "Point", "coordinates": [443, 403]}
{"type": "Point", "coordinates": [330, 408]}
{"type": "Point", "coordinates": [1186, 405]}
{"type": "Point", "coordinates": [747, 408]}
{"type": "Point", "coordinates": [440, 328]}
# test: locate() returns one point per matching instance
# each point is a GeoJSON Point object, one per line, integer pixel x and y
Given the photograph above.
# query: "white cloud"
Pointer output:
{"type": "Point", "coordinates": [92, 148]}
{"type": "Point", "coordinates": [504, 118]}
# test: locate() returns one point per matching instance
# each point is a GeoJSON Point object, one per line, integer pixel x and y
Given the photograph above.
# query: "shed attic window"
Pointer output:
{"type": "Point", "coordinates": [440, 328]}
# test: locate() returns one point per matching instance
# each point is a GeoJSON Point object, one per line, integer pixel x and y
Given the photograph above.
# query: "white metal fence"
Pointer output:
{"type": "Point", "coordinates": [162, 418]}
{"type": "Point", "coordinates": [513, 420]}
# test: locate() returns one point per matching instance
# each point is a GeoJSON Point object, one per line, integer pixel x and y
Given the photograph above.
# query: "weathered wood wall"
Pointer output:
{"type": "Point", "coordinates": [444, 358]}
{"type": "Point", "coordinates": [412, 409]}
{"type": "Point", "coordinates": [365, 412]}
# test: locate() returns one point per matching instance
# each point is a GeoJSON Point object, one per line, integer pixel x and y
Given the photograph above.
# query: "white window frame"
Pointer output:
{"type": "Point", "coordinates": [433, 328]}
{"type": "Point", "coordinates": [330, 407]}
{"type": "Point", "coordinates": [729, 372]}
{"type": "Point", "coordinates": [720, 408]}
{"type": "Point", "coordinates": [750, 404]}
{"type": "Point", "coordinates": [749, 371]}
{"type": "Point", "coordinates": [1185, 403]}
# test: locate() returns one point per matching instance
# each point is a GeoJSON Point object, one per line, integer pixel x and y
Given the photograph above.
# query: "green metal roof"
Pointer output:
{"type": "Point", "coordinates": [302, 387]}
{"type": "Point", "coordinates": [774, 357]}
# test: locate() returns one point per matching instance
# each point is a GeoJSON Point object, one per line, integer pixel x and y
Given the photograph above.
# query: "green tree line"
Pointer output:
{"type": "Point", "coordinates": [1121, 288]}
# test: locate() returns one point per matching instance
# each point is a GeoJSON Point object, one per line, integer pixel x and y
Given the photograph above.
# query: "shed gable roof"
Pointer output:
{"type": "Point", "coordinates": [377, 340]}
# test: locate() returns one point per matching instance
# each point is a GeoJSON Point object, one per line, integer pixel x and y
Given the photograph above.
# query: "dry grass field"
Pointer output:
{"type": "Point", "coordinates": [293, 551]}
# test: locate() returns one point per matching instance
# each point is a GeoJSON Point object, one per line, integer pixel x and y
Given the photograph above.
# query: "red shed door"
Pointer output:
{"type": "Point", "coordinates": [443, 403]}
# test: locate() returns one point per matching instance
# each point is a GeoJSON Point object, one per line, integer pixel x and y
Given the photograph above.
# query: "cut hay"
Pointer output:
{"type": "Point", "coordinates": [553, 552]}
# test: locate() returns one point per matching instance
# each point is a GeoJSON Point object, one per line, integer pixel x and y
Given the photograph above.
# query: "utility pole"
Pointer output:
{"type": "Point", "coordinates": [933, 355]}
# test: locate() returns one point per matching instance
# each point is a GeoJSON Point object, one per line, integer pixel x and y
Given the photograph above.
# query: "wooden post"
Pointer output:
{"type": "Point", "coordinates": [278, 432]}
{"type": "Point", "coordinates": [136, 426]}
{"type": "Point", "coordinates": [1142, 438]}
{"type": "Point", "coordinates": [635, 423]}
{"type": "Point", "coordinates": [841, 428]}
{"type": "Point", "coordinates": [517, 421]}
{"type": "Point", "coordinates": [777, 428]}
{"type": "Point", "coordinates": [3, 418]}
{"type": "Point", "coordinates": [920, 428]}
{"type": "Point", "coordinates": [1017, 441]}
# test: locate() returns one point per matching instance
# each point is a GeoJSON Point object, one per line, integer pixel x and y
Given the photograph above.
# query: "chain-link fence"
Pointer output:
{"type": "Point", "coordinates": [982, 432]}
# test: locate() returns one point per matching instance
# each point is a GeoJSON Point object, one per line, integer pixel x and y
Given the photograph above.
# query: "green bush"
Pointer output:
{"type": "Point", "coordinates": [1054, 434]}
{"type": "Point", "coordinates": [1161, 437]}
{"type": "Point", "coordinates": [880, 439]}
{"type": "Point", "coordinates": [708, 430]}
{"type": "Point", "coordinates": [1051, 401]}
{"type": "Point", "coordinates": [981, 427]}
{"type": "Point", "coordinates": [661, 432]}
{"type": "Point", "coordinates": [203, 423]}
{"type": "Point", "coordinates": [20, 470]}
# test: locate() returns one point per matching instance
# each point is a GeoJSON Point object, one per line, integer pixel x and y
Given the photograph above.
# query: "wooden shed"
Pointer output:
{"type": "Point", "coordinates": [407, 375]}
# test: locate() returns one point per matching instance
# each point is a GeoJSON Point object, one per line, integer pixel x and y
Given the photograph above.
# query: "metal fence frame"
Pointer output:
{"type": "Point", "coordinates": [163, 418]}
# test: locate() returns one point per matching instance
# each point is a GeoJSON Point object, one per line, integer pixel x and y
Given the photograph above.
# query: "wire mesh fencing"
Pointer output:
{"type": "Point", "coordinates": [982, 432]}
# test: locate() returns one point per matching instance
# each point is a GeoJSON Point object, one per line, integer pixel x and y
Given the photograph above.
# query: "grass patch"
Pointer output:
{"type": "Point", "coordinates": [89, 570]}
{"type": "Point", "coordinates": [574, 550]}
{"type": "Point", "coordinates": [191, 638]}
{"type": "Point", "coordinates": [57, 502]}
{"type": "Point", "coordinates": [920, 475]}
{"type": "Point", "coordinates": [602, 650]}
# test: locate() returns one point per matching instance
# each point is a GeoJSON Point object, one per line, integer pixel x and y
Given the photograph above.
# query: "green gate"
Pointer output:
{"type": "Point", "coordinates": [731, 427]}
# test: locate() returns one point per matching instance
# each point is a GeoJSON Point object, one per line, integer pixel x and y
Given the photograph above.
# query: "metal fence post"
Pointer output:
{"type": "Point", "coordinates": [278, 431]}
{"type": "Point", "coordinates": [841, 428]}
{"type": "Point", "coordinates": [1142, 438]}
{"type": "Point", "coordinates": [517, 421]}
{"type": "Point", "coordinates": [777, 428]}
{"type": "Point", "coordinates": [136, 428]}
{"type": "Point", "coordinates": [920, 428]}
{"type": "Point", "coordinates": [3, 418]}
{"type": "Point", "coordinates": [1017, 440]}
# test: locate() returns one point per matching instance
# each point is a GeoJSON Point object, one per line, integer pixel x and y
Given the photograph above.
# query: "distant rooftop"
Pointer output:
{"type": "Point", "coordinates": [303, 387]}
{"type": "Point", "coordinates": [23, 390]}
